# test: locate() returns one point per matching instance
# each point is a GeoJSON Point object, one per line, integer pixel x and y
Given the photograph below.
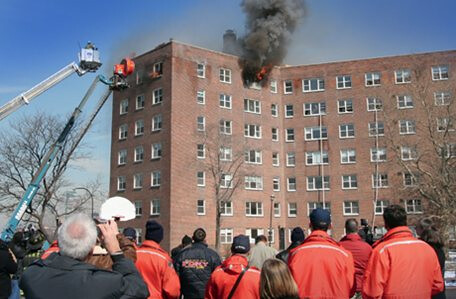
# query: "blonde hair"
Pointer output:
{"type": "Point", "coordinates": [276, 280]}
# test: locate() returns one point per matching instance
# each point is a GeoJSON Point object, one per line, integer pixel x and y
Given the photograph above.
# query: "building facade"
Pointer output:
{"type": "Point", "coordinates": [334, 135]}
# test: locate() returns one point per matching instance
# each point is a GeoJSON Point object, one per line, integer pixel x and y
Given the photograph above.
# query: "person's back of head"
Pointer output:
{"type": "Point", "coordinates": [297, 235]}
{"type": "Point", "coordinates": [199, 235]}
{"type": "Point", "coordinates": [240, 245]}
{"type": "Point", "coordinates": [77, 236]}
{"type": "Point", "coordinates": [351, 226]}
{"type": "Point", "coordinates": [186, 240]}
{"type": "Point", "coordinates": [394, 216]}
{"type": "Point", "coordinates": [154, 231]}
{"type": "Point", "coordinates": [130, 233]}
{"type": "Point", "coordinates": [320, 219]}
{"type": "Point", "coordinates": [261, 238]}
{"type": "Point", "coordinates": [428, 232]}
{"type": "Point", "coordinates": [276, 281]}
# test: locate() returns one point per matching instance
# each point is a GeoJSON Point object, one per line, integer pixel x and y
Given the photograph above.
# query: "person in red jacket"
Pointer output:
{"type": "Point", "coordinates": [359, 249]}
{"type": "Point", "coordinates": [54, 247]}
{"type": "Point", "coordinates": [224, 277]}
{"type": "Point", "coordinates": [156, 266]}
{"type": "Point", "coordinates": [320, 266]}
{"type": "Point", "coordinates": [401, 266]}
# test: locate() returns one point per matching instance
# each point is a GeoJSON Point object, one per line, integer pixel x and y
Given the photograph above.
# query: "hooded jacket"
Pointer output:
{"type": "Point", "coordinates": [401, 266]}
{"type": "Point", "coordinates": [224, 277]}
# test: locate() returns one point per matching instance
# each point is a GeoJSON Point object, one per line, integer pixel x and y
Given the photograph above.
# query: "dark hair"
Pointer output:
{"type": "Point", "coordinates": [351, 226]}
{"type": "Point", "coordinates": [276, 281]}
{"type": "Point", "coordinates": [429, 232]}
{"type": "Point", "coordinates": [260, 238]}
{"type": "Point", "coordinates": [199, 235]}
{"type": "Point", "coordinates": [394, 216]}
{"type": "Point", "coordinates": [186, 240]}
{"type": "Point", "coordinates": [320, 226]}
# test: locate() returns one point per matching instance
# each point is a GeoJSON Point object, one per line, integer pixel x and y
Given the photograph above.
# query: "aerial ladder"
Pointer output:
{"type": "Point", "coordinates": [116, 82]}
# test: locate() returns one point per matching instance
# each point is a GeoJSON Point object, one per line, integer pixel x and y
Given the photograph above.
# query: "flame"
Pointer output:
{"type": "Point", "coordinates": [263, 72]}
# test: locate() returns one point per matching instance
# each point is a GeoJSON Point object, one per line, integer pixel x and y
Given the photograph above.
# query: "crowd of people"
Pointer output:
{"type": "Point", "coordinates": [90, 260]}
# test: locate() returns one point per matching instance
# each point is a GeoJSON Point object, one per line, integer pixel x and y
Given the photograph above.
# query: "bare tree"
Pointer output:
{"type": "Point", "coordinates": [22, 151]}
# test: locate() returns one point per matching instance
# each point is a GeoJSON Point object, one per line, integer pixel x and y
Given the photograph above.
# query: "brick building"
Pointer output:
{"type": "Point", "coordinates": [313, 135]}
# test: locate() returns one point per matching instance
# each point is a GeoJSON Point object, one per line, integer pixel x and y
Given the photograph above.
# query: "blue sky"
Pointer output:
{"type": "Point", "coordinates": [37, 38]}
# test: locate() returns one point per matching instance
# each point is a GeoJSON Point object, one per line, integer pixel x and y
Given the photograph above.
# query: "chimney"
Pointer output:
{"type": "Point", "coordinates": [230, 44]}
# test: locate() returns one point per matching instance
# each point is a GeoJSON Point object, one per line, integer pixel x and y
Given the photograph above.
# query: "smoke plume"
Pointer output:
{"type": "Point", "coordinates": [269, 25]}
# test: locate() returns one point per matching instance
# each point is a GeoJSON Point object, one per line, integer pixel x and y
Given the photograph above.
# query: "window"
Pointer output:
{"type": "Point", "coordinates": [157, 96]}
{"type": "Point", "coordinates": [378, 154]}
{"type": "Point", "coordinates": [277, 209]}
{"type": "Point", "coordinates": [253, 233]}
{"type": "Point", "coordinates": [445, 124]}
{"type": "Point", "coordinates": [407, 127]}
{"type": "Point", "coordinates": [157, 70]}
{"type": "Point", "coordinates": [314, 205]}
{"type": "Point", "coordinates": [253, 183]}
{"type": "Point", "coordinates": [226, 153]}
{"type": "Point", "coordinates": [156, 123]}
{"type": "Point", "coordinates": [287, 87]}
{"type": "Point", "coordinates": [374, 104]}
{"type": "Point", "coordinates": [123, 106]}
{"type": "Point", "coordinates": [226, 235]}
{"type": "Point", "coordinates": [226, 181]}
{"type": "Point", "coordinates": [291, 159]}
{"type": "Point", "coordinates": [292, 209]}
{"type": "Point", "coordinates": [275, 134]}
{"type": "Point", "coordinates": [201, 179]}
{"type": "Point", "coordinates": [201, 97]}
{"type": "Point", "coordinates": [200, 151]}
{"type": "Point", "coordinates": [409, 179]}
{"type": "Point", "coordinates": [315, 183]}
{"type": "Point", "coordinates": [155, 207]}
{"type": "Point", "coordinates": [225, 101]}
{"type": "Point", "coordinates": [156, 151]}
{"type": "Point", "coordinates": [225, 127]}
{"type": "Point", "coordinates": [139, 127]}
{"type": "Point", "coordinates": [347, 156]}
{"type": "Point", "coordinates": [376, 129]}
{"type": "Point", "coordinates": [372, 79]}
{"type": "Point", "coordinates": [121, 183]}
{"type": "Point", "coordinates": [155, 179]}
{"type": "Point", "coordinates": [289, 111]}
{"type": "Point", "coordinates": [137, 181]}
{"type": "Point", "coordinates": [139, 77]}
{"type": "Point", "coordinates": [347, 131]}
{"type": "Point", "coordinates": [440, 72]}
{"type": "Point", "coordinates": [380, 206]}
{"type": "Point", "coordinates": [252, 131]}
{"type": "Point", "coordinates": [404, 102]}
{"type": "Point", "coordinates": [123, 132]}
{"type": "Point", "coordinates": [252, 106]}
{"type": "Point", "coordinates": [380, 180]}
{"type": "Point", "coordinates": [138, 208]}
{"type": "Point", "coordinates": [226, 208]}
{"type": "Point", "coordinates": [254, 208]}
{"type": "Point", "coordinates": [274, 110]}
{"type": "Point", "coordinates": [442, 98]}
{"type": "Point", "coordinates": [122, 157]}
{"type": "Point", "coordinates": [139, 154]}
{"type": "Point", "coordinates": [291, 184]}
{"type": "Point", "coordinates": [317, 158]}
{"type": "Point", "coordinates": [273, 86]}
{"type": "Point", "coordinates": [289, 135]}
{"type": "Point", "coordinates": [409, 153]}
{"type": "Point", "coordinates": [200, 123]}
{"type": "Point", "coordinates": [448, 150]}
{"type": "Point", "coordinates": [349, 181]}
{"type": "Point", "coordinates": [225, 75]}
{"type": "Point", "coordinates": [316, 133]}
{"type": "Point", "coordinates": [345, 106]}
{"type": "Point", "coordinates": [275, 159]}
{"type": "Point", "coordinates": [413, 206]}
{"type": "Point", "coordinates": [311, 109]}
{"type": "Point", "coordinates": [351, 208]}
{"type": "Point", "coordinates": [314, 84]}
{"type": "Point", "coordinates": [276, 184]}
{"type": "Point", "coordinates": [343, 82]}
{"type": "Point", "coordinates": [200, 207]}
{"type": "Point", "coordinates": [403, 76]}
{"type": "Point", "coordinates": [200, 70]}
{"type": "Point", "coordinates": [140, 102]}
{"type": "Point", "coordinates": [253, 157]}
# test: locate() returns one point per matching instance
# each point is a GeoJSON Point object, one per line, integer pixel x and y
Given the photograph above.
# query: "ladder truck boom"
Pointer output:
{"type": "Point", "coordinates": [89, 61]}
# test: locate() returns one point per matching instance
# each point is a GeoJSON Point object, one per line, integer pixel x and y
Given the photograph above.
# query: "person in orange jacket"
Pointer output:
{"type": "Point", "coordinates": [400, 265]}
{"type": "Point", "coordinates": [224, 278]}
{"type": "Point", "coordinates": [320, 266]}
{"type": "Point", "coordinates": [156, 266]}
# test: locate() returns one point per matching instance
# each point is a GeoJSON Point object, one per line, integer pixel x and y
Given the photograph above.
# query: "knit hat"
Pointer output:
{"type": "Point", "coordinates": [320, 217]}
{"type": "Point", "coordinates": [297, 235]}
{"type": "Point", "coordinates": [154, 231]}
{"type": "Point", "coordinates": [241, 244]}
{"type": "Point", "coordinates": [129, 233]}
{"type": "Point", "coordinates": [199, 235]}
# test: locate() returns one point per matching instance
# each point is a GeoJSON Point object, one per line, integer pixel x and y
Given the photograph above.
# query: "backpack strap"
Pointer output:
{"type": "Point", "coordinates": [236, 284]}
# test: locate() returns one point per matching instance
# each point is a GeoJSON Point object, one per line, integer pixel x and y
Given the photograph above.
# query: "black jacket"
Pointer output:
{"type": "Point", "coordinates": [63, 277]}
{"type": "Point", "coordinates": [194, 266]}
{"type": "Point", "coordinates": [283, 255]}
{"type": "Point", "coordinates": [441, 255]}
{"type": "Point", "coordinates": [7, 267]}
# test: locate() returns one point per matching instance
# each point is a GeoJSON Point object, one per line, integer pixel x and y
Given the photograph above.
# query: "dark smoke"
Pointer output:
{"type": "Point", "coordinates": [269, 25]}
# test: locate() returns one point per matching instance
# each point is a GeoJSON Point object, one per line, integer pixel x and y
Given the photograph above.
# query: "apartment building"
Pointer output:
{"type": "Point", "coordinates": [334, 135]}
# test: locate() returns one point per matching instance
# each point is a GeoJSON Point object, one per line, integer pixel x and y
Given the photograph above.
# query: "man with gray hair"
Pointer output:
{"type": "Point", "coordinates": [65, 275]}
